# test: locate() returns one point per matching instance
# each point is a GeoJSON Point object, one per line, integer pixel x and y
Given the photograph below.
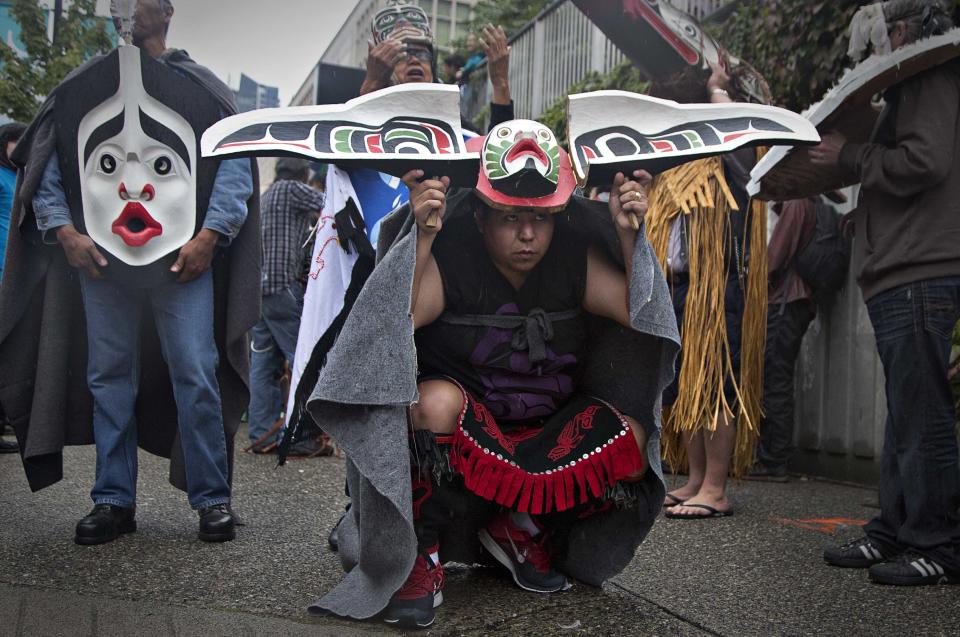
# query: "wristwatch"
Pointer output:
{"type": "Point", "coordinates": [719, 91]}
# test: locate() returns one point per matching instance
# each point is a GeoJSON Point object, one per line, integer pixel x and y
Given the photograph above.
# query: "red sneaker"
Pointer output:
{"type": "Point", "coordinates": [412, 606]}
{"type": "Point", "coordinates": [526, 557]}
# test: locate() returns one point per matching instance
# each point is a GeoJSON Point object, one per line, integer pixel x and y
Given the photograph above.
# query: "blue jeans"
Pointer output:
{"type": "Point", "coordinates": [272, 340]}
{"type": "Point", "coordinates": [920, 475]}
{"type": "Point", "coordinates": [183, 313]}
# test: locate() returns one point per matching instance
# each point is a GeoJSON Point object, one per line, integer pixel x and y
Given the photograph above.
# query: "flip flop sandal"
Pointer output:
{"type": "Point", "coordinates": [670, 500]}
{"type": "Point", "coordinates": [711, 513]}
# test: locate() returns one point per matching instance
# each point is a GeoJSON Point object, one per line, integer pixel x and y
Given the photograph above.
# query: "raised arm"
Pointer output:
{"type": "Point", "coordinates": [428, 201]}
{"type": "Point", "coordinates": [495, 47]}
{"type": "Point", "coordinates": [608, 289]}
{"type": "Point", "coordinates": [381, 60]}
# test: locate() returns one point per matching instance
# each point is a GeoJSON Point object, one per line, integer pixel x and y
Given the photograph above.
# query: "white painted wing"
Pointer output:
{"type": "Point", "coordinates": [786, 174]}
{"type": "Point", "coordinates": [613, 131]}
{"type": "Point", "coordinates": [393, 131]}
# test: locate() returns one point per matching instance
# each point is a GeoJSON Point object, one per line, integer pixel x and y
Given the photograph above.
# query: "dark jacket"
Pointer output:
{"type": "Point", "coordinates": [43, 346]}
{"type": "Point", "coordinates": [908, 216]}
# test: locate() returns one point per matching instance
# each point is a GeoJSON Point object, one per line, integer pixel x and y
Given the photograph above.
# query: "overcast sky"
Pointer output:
{"type": "Point", "coordinates": [276, 42]}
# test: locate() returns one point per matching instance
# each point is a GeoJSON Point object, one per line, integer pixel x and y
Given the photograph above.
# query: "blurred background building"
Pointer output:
{"type": "Point", "coordinates": [252, 95]}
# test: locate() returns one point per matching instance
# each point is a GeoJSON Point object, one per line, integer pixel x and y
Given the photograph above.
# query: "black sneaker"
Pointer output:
{"type": "Point", "coordinates": [911, 569]}
{"type": "Point", "coordinates": [763, 473]}
{"type": "Point", "coordinates": [412, 606]}
{"type": "Point", "coordinates": [527, 558]}
{"type": "Point", "coordinates": [860, 553]}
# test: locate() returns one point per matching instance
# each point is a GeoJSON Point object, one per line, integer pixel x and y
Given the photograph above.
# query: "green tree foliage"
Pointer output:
{"type": "Point", "coordinates": [24, 82]}
{"type": "Point", "coordinates": [624, 77]}
{"type": "Point", "coordinates": [509, 14]}
{"type": "Point", "coordinates": [800, 46]}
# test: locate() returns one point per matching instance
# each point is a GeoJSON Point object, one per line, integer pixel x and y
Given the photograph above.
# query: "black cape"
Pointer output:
{"type": "Point", "coordinates": [43, 345]}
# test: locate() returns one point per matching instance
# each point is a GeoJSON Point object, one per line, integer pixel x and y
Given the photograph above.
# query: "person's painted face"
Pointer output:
{"type": "Point", "coordinates": [138, 159]}
{"type": "Point", "coordinates": [415, 66]}
{"type": "Point", "coordinates": [516, 241]}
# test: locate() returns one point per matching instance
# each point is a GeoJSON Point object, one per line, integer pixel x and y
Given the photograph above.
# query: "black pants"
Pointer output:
{"type": "Point", "coordinates": [786, 325]}
{"type": "Point", "coordinates": [919, 470]}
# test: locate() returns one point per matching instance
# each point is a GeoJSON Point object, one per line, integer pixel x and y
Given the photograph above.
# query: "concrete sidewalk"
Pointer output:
{"type": "Point", "coordinates": [757, 573]}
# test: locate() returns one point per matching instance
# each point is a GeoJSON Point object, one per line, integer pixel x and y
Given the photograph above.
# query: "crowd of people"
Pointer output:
{"type": "Point", "coordinates": [518, 411]}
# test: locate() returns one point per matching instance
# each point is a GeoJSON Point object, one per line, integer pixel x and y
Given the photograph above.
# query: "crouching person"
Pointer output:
{"type": "Point", "coordinates": [543, 338]}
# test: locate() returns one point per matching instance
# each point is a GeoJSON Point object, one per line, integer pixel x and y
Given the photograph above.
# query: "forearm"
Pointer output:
{"type": "Point", "coordinates": [50, 207]}
{"type": "Point", "coordinates": [501, 92]}
{"type": "Point", "coordinates": [369, 86]}
{"type": "Point", "coordinates": [424, 249]}
{"type": "Point", "coordinates": [628, 244]}
{"type": "Point", "coordinates": [232, 188]}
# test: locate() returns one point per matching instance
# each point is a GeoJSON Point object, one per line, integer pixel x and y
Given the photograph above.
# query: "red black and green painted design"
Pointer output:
{"type": "Point", "coordinates": [618, 131]}
{"type": "Point", "coordinates": [576, 456]}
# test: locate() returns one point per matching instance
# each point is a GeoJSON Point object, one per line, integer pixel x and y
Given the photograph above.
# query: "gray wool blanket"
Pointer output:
{"type": "Point", "coordinates": [370, 379]}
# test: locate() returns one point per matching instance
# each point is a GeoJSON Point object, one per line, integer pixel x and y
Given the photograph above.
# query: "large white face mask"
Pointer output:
{"type": "Point", "coordinates": [138, 160]}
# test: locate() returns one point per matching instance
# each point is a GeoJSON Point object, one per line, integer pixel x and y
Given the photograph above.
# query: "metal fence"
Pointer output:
{"type": "Point", "coordinates": [840, 401]}
{"type": "Point", "coordinates": [556, 50]}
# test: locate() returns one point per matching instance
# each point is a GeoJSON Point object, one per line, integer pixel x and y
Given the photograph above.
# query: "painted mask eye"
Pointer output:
{"type": "Point", "coordinates": [162, 165]}
{"type": "Point", "coordinates": [108, 164]}
{"type": "Point", "coordinates": [544, 135]}
{"type": "Point", "coordinates": [503, 132]}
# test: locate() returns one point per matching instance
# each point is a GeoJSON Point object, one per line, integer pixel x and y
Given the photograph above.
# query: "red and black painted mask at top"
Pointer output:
{"type": "Point", "coordinates": [127, 131]}
{"type": "Point", "coordinates": [672, 48]}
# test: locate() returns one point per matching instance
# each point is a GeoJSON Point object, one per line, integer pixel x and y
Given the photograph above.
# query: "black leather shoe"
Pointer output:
{"type": "Point", "coordinates": [217, 524]}
{"type": "Point", "coordinates": [9, 446]}
{"type": "Point", "coordinates": [105, 524]}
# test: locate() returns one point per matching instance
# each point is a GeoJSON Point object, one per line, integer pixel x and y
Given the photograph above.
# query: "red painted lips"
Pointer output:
{"type": "Point", "coordinates": [135, 225]}
{"type": "Point", "coordinates": [530, 147]}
